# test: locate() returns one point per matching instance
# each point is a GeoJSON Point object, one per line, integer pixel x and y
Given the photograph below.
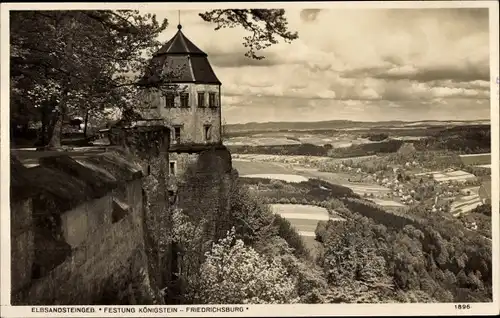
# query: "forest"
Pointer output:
{"type": "Point", "coordinates": [378, 256]}
{"type": "Point", "coordinates": [253, 256]}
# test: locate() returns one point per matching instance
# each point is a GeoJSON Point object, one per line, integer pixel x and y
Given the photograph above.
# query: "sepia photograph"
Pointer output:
{"type": "Point", "coordinates": [250, 155]}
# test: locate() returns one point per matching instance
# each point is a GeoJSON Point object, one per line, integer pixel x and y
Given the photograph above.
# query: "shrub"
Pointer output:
{"type": "Point", "coordinates": [290, 235]}
{"type": "Point", "coordinates": [236, 274]}
{"type": "Point", "coordinates": [320, 231]}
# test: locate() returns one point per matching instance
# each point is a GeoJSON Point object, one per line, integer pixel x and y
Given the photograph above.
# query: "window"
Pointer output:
{"type": "Point", "coordinates": [211, 100]}
{"type": "Point", "coordinates": [169, 100]}
{"type": "Point", "coordinates": [185, 100]}
{"type": "Point", "coordinates": [172, 169]}
{"type": "Point", "coordinates": [201, 99]}
{"type": "Point", "coordinates": [207, 130]}
{"type": "Point", "coordinates": [177, 134]}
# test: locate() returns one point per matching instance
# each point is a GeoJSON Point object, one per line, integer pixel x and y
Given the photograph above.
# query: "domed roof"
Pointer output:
{"type": "Point", "coordinates": [185, 62]}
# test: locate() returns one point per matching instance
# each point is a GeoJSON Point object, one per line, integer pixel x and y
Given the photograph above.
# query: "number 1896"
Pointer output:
{"type": "Point", "coordinates": [462, 306]}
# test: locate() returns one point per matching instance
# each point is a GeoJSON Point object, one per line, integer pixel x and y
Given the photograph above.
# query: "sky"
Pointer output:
{"type": "Point", "coordinates": [352, 64]}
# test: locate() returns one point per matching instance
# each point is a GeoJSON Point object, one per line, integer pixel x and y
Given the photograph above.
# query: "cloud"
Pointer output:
{"type": "Point", "coordinates": [308, 15]}
{"type": "Point", "coordinates": [261, 109]}
{"type": "Point", "coordinates": [238, 59]}
{"type": "Point", "coordinates": [410, 62]}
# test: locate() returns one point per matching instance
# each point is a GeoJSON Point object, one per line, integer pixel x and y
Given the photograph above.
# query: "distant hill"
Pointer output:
{"type": "Point", "coordinates": [345, 124]}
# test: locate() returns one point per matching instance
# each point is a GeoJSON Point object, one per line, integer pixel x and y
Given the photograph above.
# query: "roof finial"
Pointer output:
{"type": "Point", "coordinates": [179, 26]}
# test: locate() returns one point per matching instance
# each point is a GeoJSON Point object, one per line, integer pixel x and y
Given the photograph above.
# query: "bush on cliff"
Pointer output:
{"type": "Point", "coordinates": [236, 274]}
{"type": "Point", "coordinates": [258, 235]}
{"type": "Point", "coordinates": [290, 235]}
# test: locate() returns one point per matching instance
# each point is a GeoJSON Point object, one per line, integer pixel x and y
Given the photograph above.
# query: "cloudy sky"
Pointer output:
{"type": "Point", "coordinates": [369, 65]}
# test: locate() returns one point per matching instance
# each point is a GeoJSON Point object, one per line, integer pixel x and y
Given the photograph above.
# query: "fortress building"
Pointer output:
{"type": "Point", "coordinates": [191, 104]}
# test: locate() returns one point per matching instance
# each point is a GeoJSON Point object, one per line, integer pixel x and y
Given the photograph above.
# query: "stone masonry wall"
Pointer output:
{"type": "Point", "coordinates": [100, 250]}
{"type": "Point", "coordinates": [192, 119]}
{"type": "Point", "coordinates": [79, 226]}
{"type": "Point", "coordinates": [22, 243]}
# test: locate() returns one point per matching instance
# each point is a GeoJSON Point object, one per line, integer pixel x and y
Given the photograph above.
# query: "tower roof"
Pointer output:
{"type": "Point", "coordinates": [180, 44]}
{"type": "Point", "coordinates": [184, 60]}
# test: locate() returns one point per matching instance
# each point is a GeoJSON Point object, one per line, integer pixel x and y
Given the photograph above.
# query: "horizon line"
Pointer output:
{"type": "Point", "coordinates": [364, 121]}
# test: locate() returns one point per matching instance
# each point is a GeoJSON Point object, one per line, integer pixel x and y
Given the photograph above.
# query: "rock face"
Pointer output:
{"type": "Point", "coordinates": [96, 229]}
{"type": "Point", "coordinates": [80, 228]}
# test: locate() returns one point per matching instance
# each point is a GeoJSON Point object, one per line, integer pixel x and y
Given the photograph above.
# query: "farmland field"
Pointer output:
{"type": "Point", "coordinates": [476, 159]}
{"type": "Point", "coordinates": [255, 167]}
{"type": "Point", "coordinates": [459, 175]}
{"type": "Point", "coordinates": [339, 139]}
{"type": "Point", "coordinates": [387, 203]}
{"type": "Point", "coordinates": [284, 177]}
{"type": "Point", "coordinates": [274, 170]}
{"type": "Point", "coordinates": [260, 141]}
{"type": "Point", "coordinates": [465, 204]}
{"type": "Point", "coordinates": [304, 218]}
{"type": "Point", "coordinates": [278, 158]}
{"type": "Point", "coordinates": [275, 139]}
{"type": "Point", "coordinates": [297, 159]}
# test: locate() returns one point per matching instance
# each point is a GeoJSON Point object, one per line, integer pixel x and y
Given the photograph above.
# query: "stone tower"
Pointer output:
{"type": "Point", "coordinates": [192, 107]}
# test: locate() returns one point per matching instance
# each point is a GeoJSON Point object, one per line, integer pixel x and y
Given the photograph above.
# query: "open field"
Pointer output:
{"type": "Point", "coordinates": [476, 159]}
{"type": "Point", "coordinates": [260, 141]}
{"type": "Point", "coordinates": [296, 159]}
{"type": "Point", "coordinates": [245, 167]}
{"type": "Point", "coordinates": [278, 158]}
{"type": "Point", "coordinates": [484, 166]}
{"type": "Point", "coordinates": [291, 138]}
{"type": "Point", "coordinates": [337, 141]}
{"type": "Point", "coordinates": [297, 174]}
{"type": "Point", "coordinates": [300, 173]}
{"type": "Point", "coordinates": [465, 204]}
{"type": "Point", "coordinates": [387, 203]}
{"type": "Point", "coordinates": [284, 177]}
{"type": "Point", "coordinates": [304, 218]}
{"type": "Point", "coordinates": [346, 125]}
{"type": "Point", "coordinates": [342, 179]}
{"type": "Point", "coordinates": [470, 190]}
{"type": "Point", "coordinates": [460, 176]}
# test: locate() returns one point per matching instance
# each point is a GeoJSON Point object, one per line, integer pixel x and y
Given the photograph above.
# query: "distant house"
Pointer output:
{"type": "Point", "coordinates": [485, 192]}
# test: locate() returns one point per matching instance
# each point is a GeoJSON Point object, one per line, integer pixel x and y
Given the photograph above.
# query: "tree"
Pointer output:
{"type": "Point", "coordinates": [90, 60]}
{"type": "Point", "coordinates": [264, 25]}
{"type": "Point", "coordinates": [85, 56]}
{"type": "Point", "coordinates": [236, 274]}
{"type": "Point", "coordinates": [352, 262]}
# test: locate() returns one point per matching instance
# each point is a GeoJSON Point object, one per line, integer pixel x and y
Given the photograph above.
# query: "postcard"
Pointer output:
{"type": "Point", "coordinates": [249, 159]}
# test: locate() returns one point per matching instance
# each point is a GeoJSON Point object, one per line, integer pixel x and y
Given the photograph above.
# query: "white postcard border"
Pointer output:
{"type": "Point", "coordinates": [257, 310]}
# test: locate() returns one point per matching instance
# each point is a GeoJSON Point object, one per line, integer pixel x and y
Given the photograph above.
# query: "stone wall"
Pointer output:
{"type": "Point", "coordinates": [149, 142]}
{"type": "Point", "coordinates": [74, 255]}
{"type": "Point", "coordinates": [79, 225]}
{"type": "Point", "coordinates": [22, 243]}
{"type": "Point", "coordinates": [179, 162]}
{"type": "Point", "coordinates": [94, 229]}
{"type": "Point", "coordinates": [192, 119]}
